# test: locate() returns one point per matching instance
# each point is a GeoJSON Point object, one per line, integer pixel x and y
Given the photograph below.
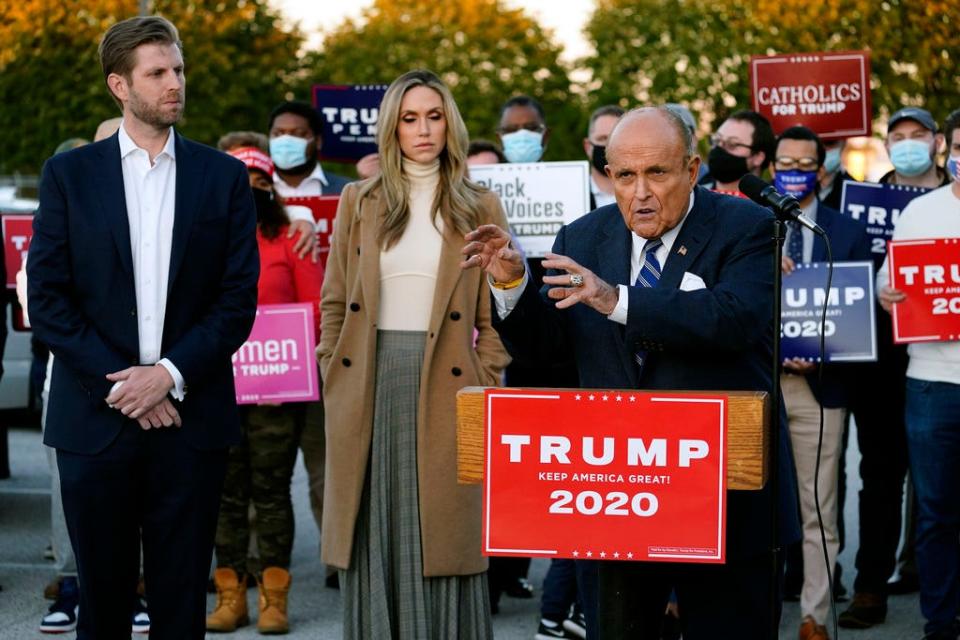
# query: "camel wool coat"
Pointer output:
{"type": "Point", "coordinates": [450, 513]}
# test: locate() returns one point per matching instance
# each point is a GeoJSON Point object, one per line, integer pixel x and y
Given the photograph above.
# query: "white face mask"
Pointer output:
{"type": "Point", "coordinates": [523, 145]}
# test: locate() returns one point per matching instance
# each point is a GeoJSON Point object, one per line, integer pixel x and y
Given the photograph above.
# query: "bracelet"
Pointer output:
{"type": "Point", "coordinates": [506, 286]}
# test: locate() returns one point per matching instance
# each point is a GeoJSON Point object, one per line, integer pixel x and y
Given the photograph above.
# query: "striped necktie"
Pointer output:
{"type": "Point", "coordinates": [649, 276]}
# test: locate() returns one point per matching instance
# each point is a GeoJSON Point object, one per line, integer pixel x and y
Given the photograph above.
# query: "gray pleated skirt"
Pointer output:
{"type": "Point", "coordinates": [384, 592]}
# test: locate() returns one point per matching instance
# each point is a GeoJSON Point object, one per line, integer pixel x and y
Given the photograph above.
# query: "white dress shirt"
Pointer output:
{"type": "Point", "coordinates": [600, 198]}
{"type": "Point", "coordinates": [312, 185]}
{"type": "Point", "coordinates": [506, 300]}
{"type": "Point", "coordinates": [150, 192]}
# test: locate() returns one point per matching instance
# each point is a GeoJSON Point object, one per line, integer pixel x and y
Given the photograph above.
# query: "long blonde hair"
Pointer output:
{"type": "Point", "coordinates": [457, 198]}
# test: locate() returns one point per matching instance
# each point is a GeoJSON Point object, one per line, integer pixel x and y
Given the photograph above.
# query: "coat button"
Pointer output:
{"type": "Point", "coordinates": [354, 306]}
{"type": "Point", "coordinates": [358, 250]}
{"type": "Point", "coordinates": [456, 371]}
{"type": "Point", "coordinates": [133, 312]}
{"type": "Point", "coordinates": [346, 362]}
{"type": "Point", "coordinates": [454, 315]}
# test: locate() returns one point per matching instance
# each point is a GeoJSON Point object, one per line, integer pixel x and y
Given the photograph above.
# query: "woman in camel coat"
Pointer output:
{"type": "Point", "coordinates": [404, 328]}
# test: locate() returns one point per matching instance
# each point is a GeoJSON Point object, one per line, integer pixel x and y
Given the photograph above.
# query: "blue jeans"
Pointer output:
{"type": "Point", "coordinates": [933, 440]}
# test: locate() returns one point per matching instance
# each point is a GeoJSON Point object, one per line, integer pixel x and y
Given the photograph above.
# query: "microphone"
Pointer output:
{"type": "Point", "coordinates": [784, 206]}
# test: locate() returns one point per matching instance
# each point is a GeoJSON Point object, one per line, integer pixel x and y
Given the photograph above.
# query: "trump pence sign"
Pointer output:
{"type": "Point", "coordinates": [928, 272]}
{"type": "Point", "coordinates": [605, 475]}
{"type": "Point", "coordinates": [277, 363]}
{"type": "Point", "coordinates": [828, 92]}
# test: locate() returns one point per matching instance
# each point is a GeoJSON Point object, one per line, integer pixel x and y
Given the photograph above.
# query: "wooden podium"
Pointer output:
{"type": "Point", "coordinates": [748, 436]}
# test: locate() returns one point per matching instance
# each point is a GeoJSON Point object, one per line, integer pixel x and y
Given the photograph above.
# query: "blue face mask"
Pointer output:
{"type": "Point", "coordinates": [953, 167]}
{"type": "Point", "coordinates": [796, 183]}
{"type": "Point", "coordinates": [911, 157]}
{"type": "Point", "coordinates": [832, 162]}
{"type": "Point", "coordinates": [522, 146]}
{"type": "Point", "coordinates": [288, 152]}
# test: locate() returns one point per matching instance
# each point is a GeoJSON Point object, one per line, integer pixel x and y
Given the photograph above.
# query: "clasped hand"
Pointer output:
{"type": "Point", "coordinates": [488, 247]}
{"type": "Point", "coordinates": [143, 396]}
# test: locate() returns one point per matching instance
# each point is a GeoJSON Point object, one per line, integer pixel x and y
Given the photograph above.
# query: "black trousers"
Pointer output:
{"type": "Point", "coordinates": [877, 403]}
{"type": "Point", "coordinates": [148, 486]}
{"type": "Point", "coordinates": [716, 601]}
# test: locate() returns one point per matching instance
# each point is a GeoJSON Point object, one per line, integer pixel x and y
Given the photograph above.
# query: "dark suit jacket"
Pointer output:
{"type": "Point", "coordinates": [83, 304]}
{"type": "Point", "coordinates": [716, 338]}
{"type": "Point", "coordinates": [849, 242]}
{"type": "Point", "coordinates": [833, 198]}
{"type": "Point", "coordinates": [335, 184]}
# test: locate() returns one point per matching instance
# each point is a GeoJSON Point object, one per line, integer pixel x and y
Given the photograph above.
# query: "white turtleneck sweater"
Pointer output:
{"type": "Point", "coordinates": [408, 269]}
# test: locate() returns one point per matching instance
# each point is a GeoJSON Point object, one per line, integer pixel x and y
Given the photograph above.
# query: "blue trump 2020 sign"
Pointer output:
{"type": "Point", "coordinates": [349, 113]}
{"type": "Point", "coordinates": [850, 326]}
{"type": "Point", "coordinates": [877, 206]}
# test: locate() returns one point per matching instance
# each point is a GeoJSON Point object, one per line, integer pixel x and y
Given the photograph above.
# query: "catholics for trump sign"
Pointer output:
{"type": "Point", "coordinates": [850, 329]}
{"type": "Point", "coordinates": [878, 207]}
{"type": "Point", "coordinates": [538, 198]}
{"type": "Point", "coordinates": [277, 364]}
{"type": "Point", "coordinates": [828, 92]}
{"type": "Point", "coordinates": [605, 475]}
{"type": "Point", "coordinates": [17, 232]}
{"type": "Point", "coordinates": [928, 272]}
{"type": "Point", "coordinates": [349, 114]}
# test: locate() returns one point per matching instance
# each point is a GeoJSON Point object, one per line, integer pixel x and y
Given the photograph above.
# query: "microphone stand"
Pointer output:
{"type": "Point", "coordinates": [779, 235]}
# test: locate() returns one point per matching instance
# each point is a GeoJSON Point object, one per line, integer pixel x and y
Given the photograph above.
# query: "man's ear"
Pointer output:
{"type": "Point", "coordinates": [118, 86]}
{"type": "Point", "coordinates": [939, 140]}
{"type": "Point", "coordinates": [694, 169]}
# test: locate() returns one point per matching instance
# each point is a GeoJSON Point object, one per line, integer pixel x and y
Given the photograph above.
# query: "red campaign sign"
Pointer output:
{"type": "Point", "coordinates": [928, 272]}
{"type": "Point", "coordinates": [324, 210]}
{"type": "Point", "coordinates": [828, 92]}
{"type": "Point", "coordinates": [605, 475]}
{"type": "Point", "coordinates": [17, 232]}
{"type": "Point", "coordinates": [277, 364]}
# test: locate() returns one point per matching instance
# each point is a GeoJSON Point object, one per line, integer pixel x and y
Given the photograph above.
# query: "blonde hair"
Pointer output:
{"type": "Point", "coordinates": [457, 198]}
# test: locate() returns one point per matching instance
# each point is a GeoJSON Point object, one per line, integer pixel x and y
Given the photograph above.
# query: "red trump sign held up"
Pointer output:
{"type": "Point", "coordinates": [928, 272]}
{"type": "Point", "coordinates": [605, 475]}
{"type": "Point", "coordinates": [828, 92]}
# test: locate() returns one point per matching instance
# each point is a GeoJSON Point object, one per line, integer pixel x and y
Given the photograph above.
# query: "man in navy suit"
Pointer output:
{"type": "Point", "coordinates": [798, 168]}
{"type": "Point", "coordinates": [671, 288]}
{"type": "Point", "coordinates": [143, 281]}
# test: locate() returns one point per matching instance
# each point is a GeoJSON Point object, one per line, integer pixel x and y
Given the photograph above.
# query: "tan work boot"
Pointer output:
{"type": "Point", "coordinates": [274, 587]}
{"type": "Point", "coordinates": [231, 611]}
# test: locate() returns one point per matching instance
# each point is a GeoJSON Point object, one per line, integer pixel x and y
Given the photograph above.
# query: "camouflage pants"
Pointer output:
{"type": "Point", "coordinates": [259, 469]}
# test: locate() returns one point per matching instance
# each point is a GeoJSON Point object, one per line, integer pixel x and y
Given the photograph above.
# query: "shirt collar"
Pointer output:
{"type": "Point", "coordinates": [317, 174]}
{"type": "Point", "coordinates": [128, 146]}
{"type": "Point", "coordinates": [811, 210]}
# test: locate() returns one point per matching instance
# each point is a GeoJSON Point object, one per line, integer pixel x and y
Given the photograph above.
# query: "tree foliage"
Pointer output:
{"type": "Point", "coordinates": [483, 50]}
{"type": "Point", "coordinates": [697, 51]}
{"type": "Point", "coordinates": [238, 65]}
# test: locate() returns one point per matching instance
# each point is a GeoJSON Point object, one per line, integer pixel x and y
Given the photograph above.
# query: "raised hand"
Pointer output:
{"type": "Point", "coordinates": [488, 247]}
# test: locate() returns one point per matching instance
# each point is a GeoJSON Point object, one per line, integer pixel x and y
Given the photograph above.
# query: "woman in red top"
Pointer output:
{"type": "Point", "coordinates": [259, 468]}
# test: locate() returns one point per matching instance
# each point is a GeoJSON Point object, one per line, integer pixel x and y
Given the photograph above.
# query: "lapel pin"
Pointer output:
{"type": "Point", "coordinates": [682, 250]}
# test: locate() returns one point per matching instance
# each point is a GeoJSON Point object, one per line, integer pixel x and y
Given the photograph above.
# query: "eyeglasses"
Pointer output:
{"type": "Point", "coordinates": [783, 163]}
{"type": "Point", "coordinates": [726, 143]}
{"type": "Point", "coordinates": [512, 128]}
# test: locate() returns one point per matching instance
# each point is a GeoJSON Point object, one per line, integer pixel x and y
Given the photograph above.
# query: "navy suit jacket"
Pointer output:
{"type": "Point", "coordinates": [849, 243]}
{"type": "Point", "coordinates": [716, 338]}
{"type": "Point", "coordinates": [83, 304]}
{"type": "Point", "coordinates": [335, 184]}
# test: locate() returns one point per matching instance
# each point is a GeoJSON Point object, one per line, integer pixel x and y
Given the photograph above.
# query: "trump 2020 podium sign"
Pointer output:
{"type": "Point", "coordinates": [928, 272]}
{"type": "Point", "coordinates": [877, 207]}
{"type": "Point", "coordinates": [828, 92]}
{"type": "Point", "coordinates": [538, 198]}
{"type": "Point", "coordinates": [605, 475]}
{"type": "Point", "coordinates": [850, 328]}
{"type": "Point", "coordinates": [277, 363]}
{"type": "Point", "coordinates": [349, 114]}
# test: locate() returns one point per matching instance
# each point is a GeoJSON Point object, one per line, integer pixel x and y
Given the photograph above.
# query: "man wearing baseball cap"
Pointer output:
{"type": "Point", "coordinates": [912, 143]}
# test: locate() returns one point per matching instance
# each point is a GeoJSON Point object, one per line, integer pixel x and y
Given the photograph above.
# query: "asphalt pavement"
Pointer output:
{"type": "Point", "coordinates": [314, 609]}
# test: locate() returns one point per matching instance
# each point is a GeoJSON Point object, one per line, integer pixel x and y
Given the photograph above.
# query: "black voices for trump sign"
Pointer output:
{"type": "Point", "coordinates": [850, 333]}
{"type": "Point", "coordinates": [538, 198]}
{"type": "Point", "coordinates": [349, 113]}
{"type": "Point", "coordinates": [828, 92]}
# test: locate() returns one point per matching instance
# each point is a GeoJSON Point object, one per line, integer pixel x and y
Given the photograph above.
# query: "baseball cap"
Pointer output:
{"type": "Point", "coordinates": [913, 113]}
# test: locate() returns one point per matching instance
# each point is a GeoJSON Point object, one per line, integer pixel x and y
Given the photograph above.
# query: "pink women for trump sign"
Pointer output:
{"type": "Point", "coordinates": [277, 364]}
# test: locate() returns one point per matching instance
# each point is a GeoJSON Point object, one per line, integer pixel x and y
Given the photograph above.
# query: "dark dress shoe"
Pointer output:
{"type": "Point", "coordinates": [866, 610]}
{"type": "Point", "coordinates": [333, 581]}
{"type": "Point", "coordinates": [519, 588]}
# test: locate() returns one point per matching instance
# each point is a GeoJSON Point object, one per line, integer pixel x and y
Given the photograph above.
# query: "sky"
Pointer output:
{"type": "Point", "coordinates": [317, 16]}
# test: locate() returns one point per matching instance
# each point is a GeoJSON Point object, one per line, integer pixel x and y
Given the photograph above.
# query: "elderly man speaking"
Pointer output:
{"type": "Point", "coordinates": [670, 288]}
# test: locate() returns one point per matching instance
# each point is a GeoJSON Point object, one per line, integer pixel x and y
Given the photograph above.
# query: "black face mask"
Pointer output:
{"type": "Point", "coordinates": [599, 157]}
{"type": "Point", "coordinates": [264, 201]}
{"type": "Point", "coordinates": [726, 167]}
